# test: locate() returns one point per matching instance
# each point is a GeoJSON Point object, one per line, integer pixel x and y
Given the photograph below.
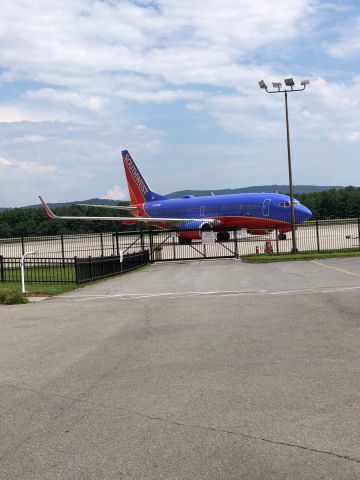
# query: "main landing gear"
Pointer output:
{"type": "Point", "coordinates": [184, 241]}
{"type": "Point", "coordinates": [282, 236]}
{"type": "Point", "coordinates": [223, 236]}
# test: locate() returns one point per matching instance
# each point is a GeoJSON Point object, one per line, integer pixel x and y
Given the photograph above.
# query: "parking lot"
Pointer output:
{"type": "Point", "coordinates": [188, 370]}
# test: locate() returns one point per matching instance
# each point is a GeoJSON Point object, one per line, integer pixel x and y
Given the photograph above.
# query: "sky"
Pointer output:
{"type": "Point", "coordinates": [175, 82]}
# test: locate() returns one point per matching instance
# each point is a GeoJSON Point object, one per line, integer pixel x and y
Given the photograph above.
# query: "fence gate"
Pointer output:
{"type": "Point", "coordinates": [169, 245]}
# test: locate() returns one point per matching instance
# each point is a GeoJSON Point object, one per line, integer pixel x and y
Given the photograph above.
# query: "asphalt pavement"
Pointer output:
{"type": "Point", "coordinates": [189, 370]}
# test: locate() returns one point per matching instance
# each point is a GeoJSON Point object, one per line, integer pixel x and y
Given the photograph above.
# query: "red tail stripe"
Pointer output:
{"type": "Point", "coordinates": [136, 195]}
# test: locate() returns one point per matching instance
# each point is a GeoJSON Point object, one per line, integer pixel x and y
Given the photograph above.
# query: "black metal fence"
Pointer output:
{"type": "Point", "coordinates": [38, 270]}
{"type": "Point", "coordinates": [321, 235]}
{"type": "Point", "coordinates": [60, 246]}
{"type": "Point", "coordinates": [92, 268]}
{"type": "Point", "coordinates": [69, 270]}
{"type": "Point", "coordinates": [99, 254]}
{"type": "Point", "coordinates": [315, 236]}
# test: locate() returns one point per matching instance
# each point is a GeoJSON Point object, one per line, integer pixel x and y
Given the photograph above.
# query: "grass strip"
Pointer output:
{"type": "Point", "coordinates": [39, 288]}
{"type": "Point", "coordinates": [54, 288]}
{"type": "Point", "coordinates": [286, 257]}
{"type": "Point", "coordinates": [11, 297]}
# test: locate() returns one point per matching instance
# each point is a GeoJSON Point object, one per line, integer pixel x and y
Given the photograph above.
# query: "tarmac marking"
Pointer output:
{"type": "Point", "coordinates": [341, 270]}
{"type": "Point", "coordinates": [173, 295]}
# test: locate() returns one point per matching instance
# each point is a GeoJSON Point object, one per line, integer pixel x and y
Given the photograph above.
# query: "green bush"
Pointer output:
{"type": "Point", "coordinates": [9, 297]}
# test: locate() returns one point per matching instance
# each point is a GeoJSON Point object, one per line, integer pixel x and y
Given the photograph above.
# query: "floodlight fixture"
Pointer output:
{"type": "Point", "coordinates": [289, 82]}
{"type": "Point", "coordinates": [277, 88]}
{"type": "Point", "coordinates": [262, 84]}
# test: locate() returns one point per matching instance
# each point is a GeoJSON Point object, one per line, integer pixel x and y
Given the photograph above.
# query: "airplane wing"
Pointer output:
{"type": "Point", "coordinates": [115, 207]}
{"type": "Point", "coordinates": [52, 215]}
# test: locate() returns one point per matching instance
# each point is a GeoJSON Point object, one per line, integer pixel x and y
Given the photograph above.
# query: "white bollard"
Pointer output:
{"type": "Point", "coordinates": [22, 269]}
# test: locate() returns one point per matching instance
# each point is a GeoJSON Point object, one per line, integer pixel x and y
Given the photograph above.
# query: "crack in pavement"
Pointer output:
{"type": "Point", "coordinates": [186, 425]}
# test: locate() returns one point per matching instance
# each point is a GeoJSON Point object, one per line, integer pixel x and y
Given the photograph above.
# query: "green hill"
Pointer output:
{"type": "Point", "coordinates": [255, 189]}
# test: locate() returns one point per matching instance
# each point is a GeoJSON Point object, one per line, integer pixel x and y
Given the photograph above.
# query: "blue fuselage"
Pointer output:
{"type": "Point", "coordinates": [248, 210]}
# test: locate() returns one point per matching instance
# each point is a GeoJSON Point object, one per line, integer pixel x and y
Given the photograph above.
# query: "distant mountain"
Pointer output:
{"type": "Point", "coordinates": [255, 189]}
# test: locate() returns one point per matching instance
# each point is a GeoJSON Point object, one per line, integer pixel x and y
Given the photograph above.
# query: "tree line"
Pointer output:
{"type": "Point", "coordinates": [21, 222]}
{"type": "Point", "coordinates": [333, 203]}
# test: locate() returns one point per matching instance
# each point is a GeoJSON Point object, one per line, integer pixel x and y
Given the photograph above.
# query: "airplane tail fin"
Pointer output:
{"type": "Point", "coordinates": [138, 188]}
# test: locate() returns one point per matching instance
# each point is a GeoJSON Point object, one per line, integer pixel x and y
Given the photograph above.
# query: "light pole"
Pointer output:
{"type": "Point", "coordinates": [289, 82]}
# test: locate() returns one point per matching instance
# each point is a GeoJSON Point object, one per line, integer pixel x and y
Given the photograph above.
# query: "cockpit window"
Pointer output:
{"type": "Point", "coordinates": [287, 204]}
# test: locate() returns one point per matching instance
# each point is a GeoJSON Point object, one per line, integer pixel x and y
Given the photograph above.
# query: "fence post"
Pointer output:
{"type": "Point", "coordinates": [76, 269]}
{"type": "Point", "coordinates": [151, 246]}
{"type": "Point", "coordinates": [102, 244]}
{"type": "Point", "coordinates": [117, 244]}
{"type": "Point", "coordinates": [277, 240]}
{"type": "Point", "coordinates": [174, 246]}
{"type": "Point", "coordinates": [62, 249]}
{"type": "Point", "coordinates": [113, 246]}
{"type": "Point", "coordinates": [359, 231]}
{"type": "Point", "coordinates": [236, 244]}
{"type": "Point", "coordinates": [22, 245]}
{"type": "Point", "coordinates": [317, 235]}
{"type": "Point", "coordinates": [142, 241]}
{"type": "Point", "coordinates": [2, 268]}
{"type": "Point", "coordinates": [90, 267]}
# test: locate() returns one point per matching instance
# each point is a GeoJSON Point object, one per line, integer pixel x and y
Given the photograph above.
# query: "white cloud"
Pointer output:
{"type": "Point", "coordinates": [13, 113]}
{"type": "Point", "coordinates": [30, 139]}
{"type": "Point", "coordinates": [88, 43]}
{"type": "Point", "coordinates": [35, 168]}
{"type": "Point", "coordinates": [28, 167]}
{"type": "Point", "coordinates": [95, 76]}
{"type": "Point", "coordinates": [92, 103]}
{"type": "Point", "coordinates": [161, 96]}
{"type": "Point", "coordinates": [117, 193]}
{"type": "Point", "coordinates": [17, 113]}
{"type": "Point", "coordinates": [349, 44]}
{"type": "Point", "coordinates": [4, 162]}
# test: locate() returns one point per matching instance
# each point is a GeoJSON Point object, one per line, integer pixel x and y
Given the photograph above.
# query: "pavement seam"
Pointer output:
{"type": "Point", "coordinates": [187, 425]}
{"type": "Point", "coordinates": [140, 296]}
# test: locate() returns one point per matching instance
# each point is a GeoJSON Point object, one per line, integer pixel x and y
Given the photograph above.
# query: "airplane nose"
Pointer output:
{"type": "Point", "coordinates": [307, 213]}
{"type": "Point", "coordinates": [302, 214]}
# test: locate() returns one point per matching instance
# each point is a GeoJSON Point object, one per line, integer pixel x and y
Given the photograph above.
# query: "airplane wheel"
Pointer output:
{"type": "Point", "coordinates": [206, 227]}
{"type": "Point", "coordinates": [223, 236]}
{"type": "Point", "coordinates": [282, 236]}
{"type": "Point", "coordinates": [184, 241]}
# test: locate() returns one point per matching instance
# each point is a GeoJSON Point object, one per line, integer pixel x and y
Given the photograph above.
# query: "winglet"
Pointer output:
{"type": "Point", "coordinates": [47, 209]}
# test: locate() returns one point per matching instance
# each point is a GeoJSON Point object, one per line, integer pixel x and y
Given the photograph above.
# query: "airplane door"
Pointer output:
{"type": "Point", "coordinates": [266, 207]}
{"type": "Point", "coordinates": [202, 211]}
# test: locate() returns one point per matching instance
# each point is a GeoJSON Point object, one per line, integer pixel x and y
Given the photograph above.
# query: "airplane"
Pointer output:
{"type": "Point", "coordinates": [258, 213]}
